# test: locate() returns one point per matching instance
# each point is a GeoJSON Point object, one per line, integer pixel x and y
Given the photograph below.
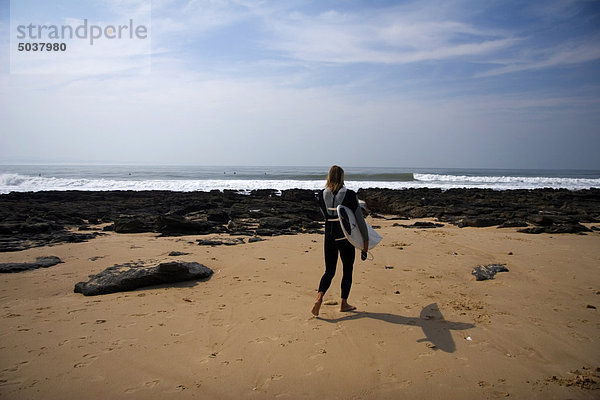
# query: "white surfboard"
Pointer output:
{"type": "Point", "coordinates": [351, 231]}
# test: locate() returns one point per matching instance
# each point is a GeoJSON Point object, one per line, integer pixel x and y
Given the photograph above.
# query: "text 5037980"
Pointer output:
{"type": "Point", "coordinates": [42, 46]}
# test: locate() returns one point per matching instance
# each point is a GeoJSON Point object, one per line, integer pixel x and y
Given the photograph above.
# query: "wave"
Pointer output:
{"type": "Point", "coordinates": [14, 182]}
{"type": "Point", "coordinates": [507, 182]}
{"type": "Point", "coordinates": [380, 177]}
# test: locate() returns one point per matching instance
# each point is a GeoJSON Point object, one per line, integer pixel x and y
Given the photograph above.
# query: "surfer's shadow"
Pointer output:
{"type": "Point", "coordinates": [435, 327]}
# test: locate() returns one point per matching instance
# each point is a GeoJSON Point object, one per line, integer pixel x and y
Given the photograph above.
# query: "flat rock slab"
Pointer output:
{"type": "Point", "coordinates": [421, 225]}
{"type": "Point", "coordinates": [485, 272]}
{"type": "Point", "coordinates": [40, 262]}
{"type": "Point", "coordinates": [220, 242]}
{"type": "Point", "coordinates": [127, 277]}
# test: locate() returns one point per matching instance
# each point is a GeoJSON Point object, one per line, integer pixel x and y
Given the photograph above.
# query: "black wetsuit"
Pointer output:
{"type": "Point", "coordinates": [336, 242]}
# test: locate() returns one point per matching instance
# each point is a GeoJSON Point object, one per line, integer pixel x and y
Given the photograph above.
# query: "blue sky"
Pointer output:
{"type": "Point", "coordinates": [496, 84]}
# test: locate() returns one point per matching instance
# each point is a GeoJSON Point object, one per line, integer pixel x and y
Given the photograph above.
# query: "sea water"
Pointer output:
{"type": "Point", "coordinates": [23, 178]}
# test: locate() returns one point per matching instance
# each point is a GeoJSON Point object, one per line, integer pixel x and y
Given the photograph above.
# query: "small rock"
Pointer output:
{"type": "Point", "coordinates": [220, 242]}
{"type": "Point", "coordinates": [420, 225]}
{"type": "Point", "coordinates": [177, 254]}
{"type": "Point", "coordinates": [389, 267]}
{"type": "Point", "coordinates": [330, 303]}
{"type": "Point", "coordinates": [591, 306]}
{"type": "Point", "coordinates": [483, 273]}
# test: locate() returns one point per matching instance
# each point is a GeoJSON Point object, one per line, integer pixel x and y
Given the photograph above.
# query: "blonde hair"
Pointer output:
{"type": "Point", "coordinates": [335, 179]}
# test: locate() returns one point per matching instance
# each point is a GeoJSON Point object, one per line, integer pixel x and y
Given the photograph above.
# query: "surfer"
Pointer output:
{"type": "Point", "coordinates": [334, 194]}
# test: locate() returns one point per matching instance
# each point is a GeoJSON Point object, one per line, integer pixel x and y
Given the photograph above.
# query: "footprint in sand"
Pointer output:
{"type": "Point", "coordinates": [16, 367]}
{"type": "Point", "coordinates": [89, 358]}
{"type": "Point", "coordinates": [147, 385]}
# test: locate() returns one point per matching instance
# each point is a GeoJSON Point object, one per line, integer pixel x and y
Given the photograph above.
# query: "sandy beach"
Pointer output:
{"type": "Point", "coordinates": [424, 327]}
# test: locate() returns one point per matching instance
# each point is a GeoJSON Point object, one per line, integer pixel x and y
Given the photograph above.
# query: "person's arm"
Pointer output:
{"type": "Point", "coordinates": [362, 227]}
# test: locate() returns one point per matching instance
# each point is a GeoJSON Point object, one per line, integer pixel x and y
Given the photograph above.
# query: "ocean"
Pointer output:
{"type": "Point", "coordinates": [25, 178]}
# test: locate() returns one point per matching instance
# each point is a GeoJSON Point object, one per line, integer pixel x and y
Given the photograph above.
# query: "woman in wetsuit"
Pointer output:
{"type": "Point", "coordinates": [334, 194]}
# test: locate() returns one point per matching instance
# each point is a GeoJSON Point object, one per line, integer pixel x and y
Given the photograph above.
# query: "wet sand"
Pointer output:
{"type": "Point", "coordinates": [423, 329]}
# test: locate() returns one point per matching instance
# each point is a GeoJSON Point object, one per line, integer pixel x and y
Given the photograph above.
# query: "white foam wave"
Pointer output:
{"type": "Point", "coordinates": [10, 182]}
{"type": "Point", "coordinates": [506, 182]}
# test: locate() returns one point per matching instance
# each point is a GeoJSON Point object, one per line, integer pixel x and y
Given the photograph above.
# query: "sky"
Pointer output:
{"type": "Point", "coordinates": [439, 84]}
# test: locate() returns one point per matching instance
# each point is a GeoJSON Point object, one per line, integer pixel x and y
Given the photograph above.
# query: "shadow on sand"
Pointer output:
{"type": "Point", "coordinates": [435, 327]}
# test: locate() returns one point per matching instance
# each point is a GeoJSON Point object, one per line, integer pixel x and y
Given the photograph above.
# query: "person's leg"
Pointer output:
{"type": "Point", "coordinates": [347, 254]}
{"type": "Point", "coordinates": [331, 256]}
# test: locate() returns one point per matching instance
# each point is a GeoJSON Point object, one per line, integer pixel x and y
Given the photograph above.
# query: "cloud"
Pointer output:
{"type": "Point", "coordinates": [565, 54]}
{"type": "Point", "coordinates": [391, 37]}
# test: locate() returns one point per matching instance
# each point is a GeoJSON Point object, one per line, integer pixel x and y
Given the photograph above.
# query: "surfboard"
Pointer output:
{"type": "Point", "coordinates": [351, 231]}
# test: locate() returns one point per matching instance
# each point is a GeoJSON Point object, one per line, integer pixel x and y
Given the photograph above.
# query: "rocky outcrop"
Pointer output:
{"type": "Point", "coordinates": [43, 218]}
{"type": "Point", "coordinates": [126, 277]}
{"type": "Point", "coordinates": [558, 210]}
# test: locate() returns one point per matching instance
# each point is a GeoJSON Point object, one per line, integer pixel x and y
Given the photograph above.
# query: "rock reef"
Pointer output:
{"type": "Point", "coordinates": [46, 218]}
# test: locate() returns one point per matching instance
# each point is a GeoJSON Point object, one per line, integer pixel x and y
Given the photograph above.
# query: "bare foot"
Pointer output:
{"type": "Point", "coordinates": [316, 308]}
{"type": "Point", "coordinates": [347, 307]}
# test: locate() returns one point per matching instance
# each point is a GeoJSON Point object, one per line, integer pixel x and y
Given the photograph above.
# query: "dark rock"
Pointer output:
{"type": "Point", "coordinates": [35, 228]}
{"type": "Point", "coordinates": [177, 254]}
{"type": "Point", "coordinates": [132, 225]}
{"type": "Point", "coordinates": [561, 228]}
{"type": "Point", "coordinates": [513, 223]}
{"type": "Point", "coordinates": [69, 237]}
{"type": "Point", "coordinates": [220, 242]}
{"type": "Point", "coordinates": [479, 222]}
{"type": "Point", "coordinates": [299, 195]}
{"type": "Point", "coordinates": [543, 220]}
{"type": "Point", "coordinates": [268, 232]}
{"type": "Point", "coordinates": [264, 192]}
{"type": "Point", "coordinates": [20, 242]}
{"type": "Point", "coordinates": [40, 262]}
{"type": "Point", "coordinates": [421, 225]}
{"type": "Point", "coordinates": [176, 225]}
{"type": "Point", "coordinates": [276, 223]}
{"type": "Point", "coordinates": [595, 228]}
{"type": "Point", "coordinates": [484, 272]}
{"type": "Point", "coordinates": [254, 239]}
{"type": "Point", "coordinates": [217, 215]}
{"type": "Point", "coordinates": [126, 277]}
